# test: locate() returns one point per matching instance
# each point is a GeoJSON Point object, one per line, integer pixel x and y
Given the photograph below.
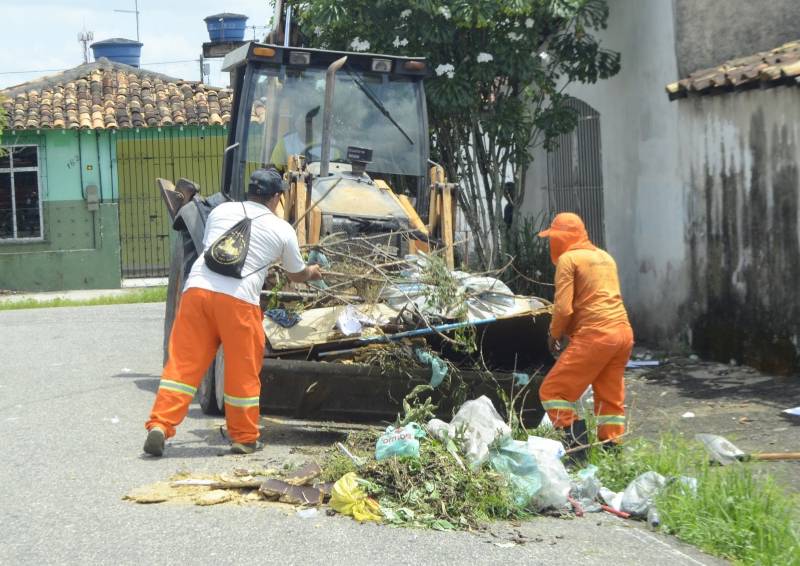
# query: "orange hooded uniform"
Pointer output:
{"type": "Point", "coordinates": [588, 308]}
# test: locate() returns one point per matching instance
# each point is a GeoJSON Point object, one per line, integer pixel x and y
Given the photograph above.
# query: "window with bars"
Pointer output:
{"type": "Point", "coordinates": [20, 200]}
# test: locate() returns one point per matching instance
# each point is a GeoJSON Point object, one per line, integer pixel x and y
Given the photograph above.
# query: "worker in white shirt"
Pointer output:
{"type": "Point", "coordinates": [225, 309]}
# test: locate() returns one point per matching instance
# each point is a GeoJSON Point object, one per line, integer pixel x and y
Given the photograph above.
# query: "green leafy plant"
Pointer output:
{"type": "Point", "coordinates": [500, 68]}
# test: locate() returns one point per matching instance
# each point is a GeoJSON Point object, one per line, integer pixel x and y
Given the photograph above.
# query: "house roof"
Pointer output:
{"type": "Point", "coordinates": [768, 68]}
{"type": "Point", "coordinates": [110, 95]}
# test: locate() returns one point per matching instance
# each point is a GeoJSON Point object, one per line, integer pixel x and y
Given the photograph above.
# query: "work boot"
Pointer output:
{"type": "Point", "coordinates": [577, 435]}
{"type": "Point", "coordinates": [246, 447]}
{"type": "Point", "coordinates": [154, 443]}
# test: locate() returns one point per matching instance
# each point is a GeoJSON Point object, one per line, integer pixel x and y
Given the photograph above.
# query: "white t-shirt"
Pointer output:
{"type": "Point", "coordinates": [272, 240]}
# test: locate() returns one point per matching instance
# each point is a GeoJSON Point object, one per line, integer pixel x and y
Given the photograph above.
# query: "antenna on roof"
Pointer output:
{"type": "Point", "coordinates": [134, 11]}
{"type": "Point", "coordinates": [85, 37]}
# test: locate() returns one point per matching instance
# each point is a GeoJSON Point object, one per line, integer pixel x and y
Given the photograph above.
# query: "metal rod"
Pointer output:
{"type": "Point", "coordinates": [327, 115]}
{"type": "Point", "coordinates": [428, 330]}
{"type": "Point", "coordinates": [287, 27]}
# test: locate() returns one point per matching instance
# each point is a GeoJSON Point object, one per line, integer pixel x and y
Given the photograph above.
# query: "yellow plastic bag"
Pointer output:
{"type": "Point", "coordinates": [348, 498]}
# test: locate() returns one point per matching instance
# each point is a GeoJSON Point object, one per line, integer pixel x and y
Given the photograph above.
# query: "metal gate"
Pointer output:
{"type": "Point", "coordinates": [193, 152]}
{"type": "Point", "coordinates": [575, 172]}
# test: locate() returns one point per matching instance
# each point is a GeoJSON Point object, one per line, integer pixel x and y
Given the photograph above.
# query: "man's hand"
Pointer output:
{"type": "Point", "coordinates": [314, 273]}
{"type": "Point", "coordinates": [554, 345]}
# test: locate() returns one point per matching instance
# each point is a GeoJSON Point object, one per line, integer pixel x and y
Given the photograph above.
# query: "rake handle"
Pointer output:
{"type": "Point", "coordinates": [775, 456]}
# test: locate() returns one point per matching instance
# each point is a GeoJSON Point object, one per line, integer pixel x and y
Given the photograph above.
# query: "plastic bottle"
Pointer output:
{"type": "Point", "coordinates": [653, 520]}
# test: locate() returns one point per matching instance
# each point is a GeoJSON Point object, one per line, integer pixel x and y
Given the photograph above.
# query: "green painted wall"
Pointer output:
{"type": "Point", "coordinates": [129, 236]}
{"type": "Point", "coordinates": [79, 249]}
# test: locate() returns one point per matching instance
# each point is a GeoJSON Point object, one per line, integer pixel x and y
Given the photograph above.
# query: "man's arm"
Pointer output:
{"type": "Point", "coordinates": [565, 289]}
{"type": "Point", "coordinates": [296, 269]}
{"type": "Point", "coordinates": [309, 273]}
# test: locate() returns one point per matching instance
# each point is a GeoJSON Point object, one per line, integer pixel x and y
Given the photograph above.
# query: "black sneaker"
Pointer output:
{"type": "Point", "coordinates": [154, 443]}
{"type": "Point", "coordinates": [246, 447]}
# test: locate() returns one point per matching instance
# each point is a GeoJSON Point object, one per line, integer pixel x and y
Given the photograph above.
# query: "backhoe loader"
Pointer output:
{"type": "Point", "coordinates": [349, 132]}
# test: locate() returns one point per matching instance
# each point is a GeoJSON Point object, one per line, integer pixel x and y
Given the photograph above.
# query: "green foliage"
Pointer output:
{"type": "Point", "coordinates": [532, 271]}
{"type": "Point", "coordinates": [152, 295]}
{"type": "Point", "coordinates": [499, 71]}
{"type": "Point", "coordinates": [432, 491]}
{"type": "Point", "coordinates": [446, 297]}
{"type": "Point", "coordinates": [670, 455]}
{"type": "Point", "coordinates": [735, 513]}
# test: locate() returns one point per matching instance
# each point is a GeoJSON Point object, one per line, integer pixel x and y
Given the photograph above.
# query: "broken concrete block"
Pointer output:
{"type": "Point", "coordinates": [273, 489]}
{"type": "Point", "coordinates": [302, 495]}
{"type": "Point", "coordinates": [293, 494]}
{"type": "Point", "coordinates": [214, 497]}
{"type": "Point", "coordinates": [304, 474]}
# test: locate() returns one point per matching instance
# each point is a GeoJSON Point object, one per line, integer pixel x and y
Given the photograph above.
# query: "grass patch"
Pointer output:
{"type": "Point", "coordinates": [737, 513]}
{"type": "Point", "coordinates": [148, 295]}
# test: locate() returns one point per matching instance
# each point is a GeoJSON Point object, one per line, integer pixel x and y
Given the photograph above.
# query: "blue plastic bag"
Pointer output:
{"type": "Point", "coordinates": [515, 461]}
{"type": "Point", "coordinates": [438, 366]}
{"type": "Point", "coordinates": [401, 441]}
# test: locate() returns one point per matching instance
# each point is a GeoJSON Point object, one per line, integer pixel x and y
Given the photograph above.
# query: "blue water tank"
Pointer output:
{"type": "Point", "coordinates": [226, 27]}
{"type": "Point", "coordinates": [119, 50]}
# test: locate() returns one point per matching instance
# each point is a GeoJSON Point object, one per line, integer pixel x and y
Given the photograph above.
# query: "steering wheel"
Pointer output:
{"type": "Point", "coordinates": [335, 149]}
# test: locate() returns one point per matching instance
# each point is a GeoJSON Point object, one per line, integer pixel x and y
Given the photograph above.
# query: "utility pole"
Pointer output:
{"type": "Point", "coordinates": [85, 37]}
{"type": "Point", "coordinates": [134, 11]}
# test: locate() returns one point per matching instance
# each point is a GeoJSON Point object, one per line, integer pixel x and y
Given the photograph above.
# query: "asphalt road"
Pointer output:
{"type": "Point", "coordinates": [76, 385]}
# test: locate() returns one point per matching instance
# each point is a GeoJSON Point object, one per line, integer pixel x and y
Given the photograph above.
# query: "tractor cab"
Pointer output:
{"type": "Point", "coordinates": [355, 116]}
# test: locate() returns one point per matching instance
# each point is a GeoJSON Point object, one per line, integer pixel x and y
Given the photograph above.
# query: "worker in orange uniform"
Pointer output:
{"type": "Point", "coordinates": [589, 311]}
{"type": "Point", "coordinates": [217, 308]}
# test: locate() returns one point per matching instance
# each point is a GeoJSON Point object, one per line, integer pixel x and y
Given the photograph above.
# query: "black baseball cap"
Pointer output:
{"type": "Point", "coordinates": [265, 183]}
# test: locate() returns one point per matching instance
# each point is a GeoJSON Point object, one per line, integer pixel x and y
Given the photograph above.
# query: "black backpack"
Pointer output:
{"type": "Point", "coordinates": [228, 253]}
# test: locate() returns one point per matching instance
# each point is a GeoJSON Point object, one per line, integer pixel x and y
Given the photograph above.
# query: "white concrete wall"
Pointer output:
{"type": "Point", "coordinates": [643, 187]}
{"type": "Point", "coordinates": [740, 162]}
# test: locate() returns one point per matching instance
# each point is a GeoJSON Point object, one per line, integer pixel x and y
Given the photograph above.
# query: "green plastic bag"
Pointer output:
{"type": "Point", "coordinates": [401, 441]}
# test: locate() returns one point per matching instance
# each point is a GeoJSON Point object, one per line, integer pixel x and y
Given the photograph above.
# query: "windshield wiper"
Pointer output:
{"type": "Point", "coordinates": [377, 102]}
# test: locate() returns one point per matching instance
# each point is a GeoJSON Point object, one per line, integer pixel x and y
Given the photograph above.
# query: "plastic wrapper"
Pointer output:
{"type": "Point", "coordinates": [399, 442]}
{"type": "Point", "coordinates": [349, 498]}
{"type": "Point", "coordinates": [481, 426]}
{"type": "Point", "coordinates": [641, 492]}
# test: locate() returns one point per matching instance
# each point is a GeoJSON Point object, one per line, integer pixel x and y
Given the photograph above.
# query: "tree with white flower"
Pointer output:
{"type": "Point", "coordinates": [496, 91]}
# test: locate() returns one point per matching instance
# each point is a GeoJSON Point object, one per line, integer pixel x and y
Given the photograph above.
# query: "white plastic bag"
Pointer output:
{"type": "Point", "coordinates": [640, 493]}
{"type": "Point", "coordinates": [481, 425]}
{"type": "Point", "coordinates": [555, 481]}
{"type": "Point", "coordinates": [546, 445]}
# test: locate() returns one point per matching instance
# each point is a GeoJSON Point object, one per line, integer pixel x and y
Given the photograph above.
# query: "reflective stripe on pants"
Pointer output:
{"type": "Point", "coordinates": [596, 358]}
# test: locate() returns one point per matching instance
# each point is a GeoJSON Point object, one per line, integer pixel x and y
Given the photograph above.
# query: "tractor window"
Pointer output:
{"type": "Point", "coordinates": [287, 114]}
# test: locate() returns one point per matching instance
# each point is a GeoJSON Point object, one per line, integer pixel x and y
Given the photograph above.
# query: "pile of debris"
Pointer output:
{"type": "Point", "coordinates": [369, 297]}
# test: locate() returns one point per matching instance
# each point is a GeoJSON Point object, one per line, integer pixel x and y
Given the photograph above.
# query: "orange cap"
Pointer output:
{"type": "Point", "coordinates": [565, 222]}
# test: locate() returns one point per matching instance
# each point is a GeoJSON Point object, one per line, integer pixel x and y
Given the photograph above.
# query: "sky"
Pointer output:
{"type": "Point", "coordinates": [40, 37]}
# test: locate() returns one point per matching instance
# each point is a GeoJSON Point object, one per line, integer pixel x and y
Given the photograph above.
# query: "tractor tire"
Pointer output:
{"type": "Point", "coordinates": [209, 394]}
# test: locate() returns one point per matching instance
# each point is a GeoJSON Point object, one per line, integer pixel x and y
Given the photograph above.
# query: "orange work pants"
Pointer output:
{"type": "Point", "coordinates": [597, 358]}
{"type": "Point", "coordinates": [205, 319]}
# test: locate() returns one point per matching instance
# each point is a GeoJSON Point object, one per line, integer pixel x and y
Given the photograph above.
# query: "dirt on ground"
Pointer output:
{"type": "Point", "coordinates": [688, 395]}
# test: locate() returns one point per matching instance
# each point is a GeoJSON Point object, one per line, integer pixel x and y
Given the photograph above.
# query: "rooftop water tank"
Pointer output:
{"type": "Point", "coordinates": [119, 50]}
{"type": "Point", "coordinates": [226, 27]}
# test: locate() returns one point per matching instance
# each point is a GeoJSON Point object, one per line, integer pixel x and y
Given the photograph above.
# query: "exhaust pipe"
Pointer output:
{"type": "Point", "coordinates": [327, 115]}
